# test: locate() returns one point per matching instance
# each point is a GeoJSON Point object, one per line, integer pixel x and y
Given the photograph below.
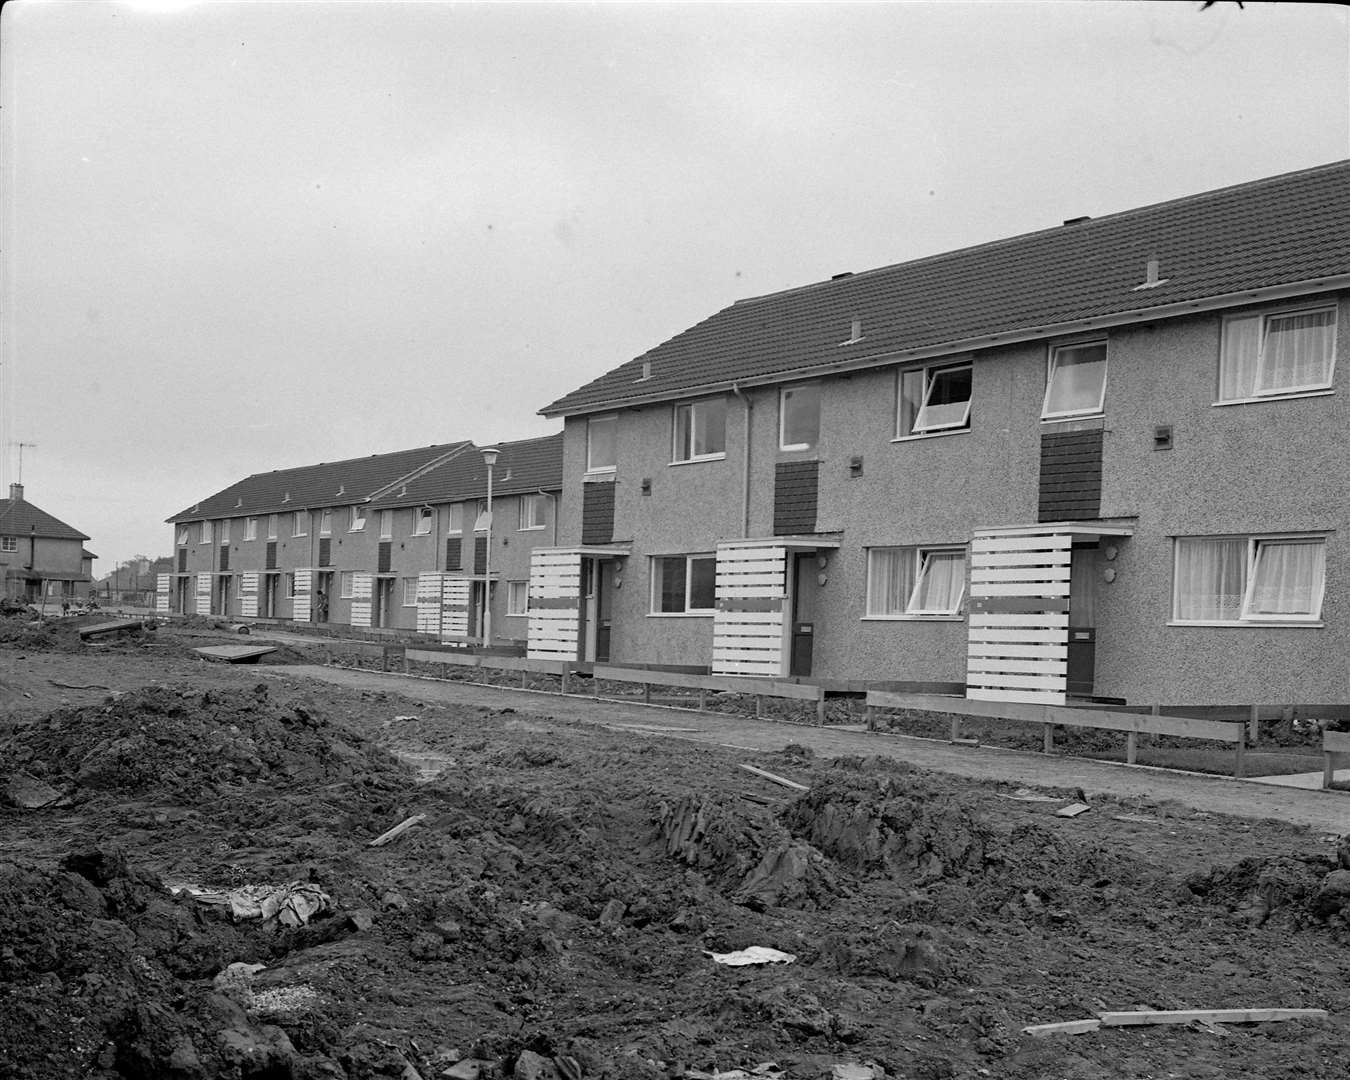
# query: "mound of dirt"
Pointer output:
{"type": "Point", "coordinates": [181, 742]}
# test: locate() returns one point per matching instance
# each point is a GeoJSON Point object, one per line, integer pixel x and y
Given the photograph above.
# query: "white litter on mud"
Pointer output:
{"type": "Point", "coordinates": [756, 954]}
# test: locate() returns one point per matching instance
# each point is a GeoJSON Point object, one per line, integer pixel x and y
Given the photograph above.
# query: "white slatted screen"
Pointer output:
{"type": "Point", "coordinates": [750, 623]}
{"type": "Point", "coordinates": [1018, 646]}
{"type": "Point", "coordinates": [304, 594]}
{"type": "Point", "coordinates": [361, 590]}
{"type": "Point", "coordinates": [248, 594]}
{"type": "Point", "coordinates": [162, 592]}
{"type": "Point", "coordinates": [555, 602]}
{"type": "Point", "coordinates": [203, 594]}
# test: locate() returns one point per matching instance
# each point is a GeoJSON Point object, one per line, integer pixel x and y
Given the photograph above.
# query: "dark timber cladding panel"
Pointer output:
{"type": "Point", "coordinates": [224, 556]}
{"type": "Point", "coordinates": [383, 559]}
{"type": "Point", "coordinates": [480, 554]}
{"type": "Point", "coordinates": [597, 513]}
{"type": "Point", "coordinates": [271, 555]}
{"type": "Point", "coordinates": [796, 485]}
{"type": "Point", "coordinates": [1071, 476]}
{"type": "Point", "coordinates": [182, 560]}
{"type": "Point", "coordinates": [325, 552]}
{"type": "Point", "coordinates": [454, 553]}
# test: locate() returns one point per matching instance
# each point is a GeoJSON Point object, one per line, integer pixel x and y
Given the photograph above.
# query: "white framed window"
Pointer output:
{"type": "Point", "coordinates": [601, 448]}
{"type": "Point", "coordinates": [250, 528]}
{"type": "Point", "coordinates": [409, 592]}
{"type": "Point", "coordinates": [533, 512]}
{"type": "Point", "coordinates": [1237, 580]}
{"type": "Point", "coordinates": [223, 535]}
{"type": "Point", "coordinates": [9, 543]}
{"type": "Point", "coordinates": [423, 517]}
{"type": "Point", "coordinates": [1075, 383]}
{"type": "Point", "coordinates": [915, 582]}
{"type": "Point", "coordinates": [386, 524]}
{"type": "Point", "coordinates": [356, 522]}
{"type": "Point", "coordinates": [346, 580]}
{"type": "Point", "coordinates": [326, 522]}
{"type": "Point", "coordinates": [300, 523]}
{"type": "Point", "coordinates": [684, 584]}
{"type": "Point", "coordinates": [1275, 353]}
{"type": "Point", "coordinates": [517, 597]}
{"type": "Point", "coordinates": [206, 532]}
{"type": "Point", "coordinates": [480, 516]}
{"type": "Point", "coordinates": [182, 536]}
{"type": "Point", "coordinates": [456, 519]}
{"type": "Point", "coordinates": [700, 430]}
{"type": "Point", "coordinates": [799, 416]}
{"type": "Point", "coordinates": [933, 399]}
{"type": "Point", "coordinates": [271, 526]}
{"type": "Point", "coordinates": [290, 586]}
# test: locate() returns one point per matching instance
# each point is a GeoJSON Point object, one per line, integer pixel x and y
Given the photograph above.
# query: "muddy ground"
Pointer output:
{"type": "Point", "coordinates": [553, 912]}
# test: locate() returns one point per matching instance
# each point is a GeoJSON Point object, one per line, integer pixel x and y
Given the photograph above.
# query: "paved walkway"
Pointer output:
{"type": "Point", "coordinates": [1325, 811]}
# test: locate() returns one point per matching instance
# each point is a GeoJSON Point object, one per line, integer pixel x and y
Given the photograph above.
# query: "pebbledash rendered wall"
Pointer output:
{"type": "Point", "coordinates": [1263, 467]}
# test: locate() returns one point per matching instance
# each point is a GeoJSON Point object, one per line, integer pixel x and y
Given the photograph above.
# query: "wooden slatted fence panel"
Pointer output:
{"type": "Point", "coordinates": [203, 594]}
{"type": "Point", "coordinates": [1017, 639]}
{"type": "Point", "coordinates": [303, 595]}
{"type": "Point", "coordinates": [248, 594]}
{"type": "Point", "coordinates": [554, 612]}
{"type": "Point", "coordinates": [748, 640]}
{"type": "Point", "coordinates": [162, 587]}
{"type": "Point", "coordinates": [362, 585]}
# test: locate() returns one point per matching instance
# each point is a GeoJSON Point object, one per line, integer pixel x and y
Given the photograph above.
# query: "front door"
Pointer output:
{"type": "Point", "coordinates": [271, 589]}
{"type": "Point", "coordinates": [381, 612]}
{"type": "Point", "coordinates": [180, 595]}
{"type": "Point", "coordinates": [803, 630]}
{"type": "Point", "coordinates": [223, 595]}
{"type": "Point", "coordinates": [1082, 620]}
{"type": "Point", "coordinates": [324, 590]}
{"type": "Point", "coordinates": [604, 608]}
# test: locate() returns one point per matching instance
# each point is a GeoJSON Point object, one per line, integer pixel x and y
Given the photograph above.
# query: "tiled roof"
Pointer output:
{"type": "Point", "coordinates": [19, 517]}
{"type": "Point", "coordinates": [335, 483]}
{"type": "Point", "coordinates": [523, 466]}
{"type": "Point", "coordinates": [1287, 229]}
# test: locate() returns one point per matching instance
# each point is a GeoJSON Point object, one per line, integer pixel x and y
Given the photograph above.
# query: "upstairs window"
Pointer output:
{"type": "Point", "coordinates": [326, 522]}
{"type": "Point", "coordinates": [533, 511]}
{"type": "Point", "coordinates": [386, 524]}
{"type": "Point", "coordinates": [300, 524]}
{"type": "Point", "coordinates": [206, 532]}
{"type": "Point", "coordinates": [456, 524]}
{"type": "Point", "coordinates": [1286, 352]}
{"type": "Point", "coordinates": [271, 526]}
{"type": "Point", "coordinates": [250, 528]}
{"type": "Point", "coordinates": [223, 536]}
{"type": "Point", "coordinates": [481, 517]}
{"type": "Point", "coordinates": [914, 582]}
{"type": "Point", "coordinates": [1076, 382]}
{"type": "Point", "coordinates": [9, 543]}
{"type": "Point", "coordinates": [684, 584]}
{"type": "Point", "coordinates": [601, 451]}
{"type": "Point", "coordinates": [423, 517]}
{"type": "Point", "coordinates": [934, 398]}
{"type": "Point", "coordinates": [1241, 579]}
{"type": "Point", "coordinates": [799, 417]}
{"type": "Point", "coordinates": [357, 520]}
{"type": "Point", "coordinates": [700, 430]}
{"type": "Point", "coordinates": [182, 536]}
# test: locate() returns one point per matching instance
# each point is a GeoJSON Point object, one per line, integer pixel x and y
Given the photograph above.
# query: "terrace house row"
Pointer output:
{"type": "Point", "coordinates": [392, 541]}
{"type": "Point", "coordinates": [1103, 460]}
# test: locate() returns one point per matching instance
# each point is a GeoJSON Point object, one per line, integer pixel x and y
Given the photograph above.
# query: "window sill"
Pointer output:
{"type": "Point", "coordinates": [602, 470]}
{"type": "Point", "coordinates": [699, 460]}
{"type": "Point", "coordinates": [517, 614]}
{"type": "Point", "coordinates": [794, 448]}
{"type": "Point", "coordinates": [1290, 396]}
{"type": "Point", "coordinates": [532, 528]}
{"type": "Point", "coordinates": [913, 618]}
{"type": "Point", "coordinates": [1255, 624]}
{"type": "Point", "coordinates": [703, 614]}
{"type": "Point", "coordinates": [1068, 418]}
{"type": "Point", "coordinates": [931, 435]}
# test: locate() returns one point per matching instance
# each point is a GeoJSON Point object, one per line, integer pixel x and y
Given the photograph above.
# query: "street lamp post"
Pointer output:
{"type": "Point", "coordinates": [489, 459]}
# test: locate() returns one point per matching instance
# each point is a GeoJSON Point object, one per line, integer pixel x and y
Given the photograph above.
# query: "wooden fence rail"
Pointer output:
{"type": "Point", "coordinates": [727, 684]}
{"type": "Point", "coordinates": [1051, 716]}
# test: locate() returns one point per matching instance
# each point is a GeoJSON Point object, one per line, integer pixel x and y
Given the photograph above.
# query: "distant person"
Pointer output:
{"type": "Point", "coordinates": [321, 606]}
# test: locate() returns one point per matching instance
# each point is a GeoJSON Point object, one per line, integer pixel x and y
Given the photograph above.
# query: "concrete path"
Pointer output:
{"type": "Point", "coordinates": [1325, 811]}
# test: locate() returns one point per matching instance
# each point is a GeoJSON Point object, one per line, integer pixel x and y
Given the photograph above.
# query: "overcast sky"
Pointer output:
{"type": "Point", "coordinates": [247, 236]}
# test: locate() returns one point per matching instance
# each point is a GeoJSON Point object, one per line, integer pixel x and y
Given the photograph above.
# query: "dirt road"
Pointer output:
{"type": "Point", "coordinates": [1324, 811]}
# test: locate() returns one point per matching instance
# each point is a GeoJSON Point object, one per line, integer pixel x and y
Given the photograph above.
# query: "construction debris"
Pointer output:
{"type": "Point", "coordinates": [120, 626]}
{"type": "Point", "coordinates": [292, 904]}
{"type": "Point", "coordinates": [398, 830]}
{"type": "Point", "coordinates": [1211, 1016]}
{"type": "Point", "coordinates": [755, 954]}
{"type": "Point", "coordinates": [775, 778]}
{"type": "Point", "coordinates": [1073, 809]}
{"type": "Point", "coordinates": [234, 654]}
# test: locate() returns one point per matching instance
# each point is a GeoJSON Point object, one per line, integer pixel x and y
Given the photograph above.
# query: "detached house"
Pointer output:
{"type": "Point", "coordinates": [1103, 460]}
{"type": "Point", "coordinates": [40, 556]}
{"type": "Point", "coordinates": [390, 541]}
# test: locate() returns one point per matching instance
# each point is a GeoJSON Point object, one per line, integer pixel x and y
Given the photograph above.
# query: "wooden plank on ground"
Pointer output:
{"type": "Point", "coordinates": [234, 654]}
{"type": "Point", "coordinates": [1211, 1016]}
{"type": "Point", "coordinates": [120, 626]}
{"type": "Point", "coordinates": [784, 781]}
{"type": "Point", "coordinates": [1065, 1027]}
{"type": "Point", "coordinates": [397, 831]}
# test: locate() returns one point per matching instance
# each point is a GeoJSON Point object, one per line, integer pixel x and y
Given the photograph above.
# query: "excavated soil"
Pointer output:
{"type": "Point", "coordinates": [553, 912]}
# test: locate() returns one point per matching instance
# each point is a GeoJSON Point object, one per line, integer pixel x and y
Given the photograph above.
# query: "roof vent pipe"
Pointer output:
{"type": "Point", "coordinates": [1151, 278]}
